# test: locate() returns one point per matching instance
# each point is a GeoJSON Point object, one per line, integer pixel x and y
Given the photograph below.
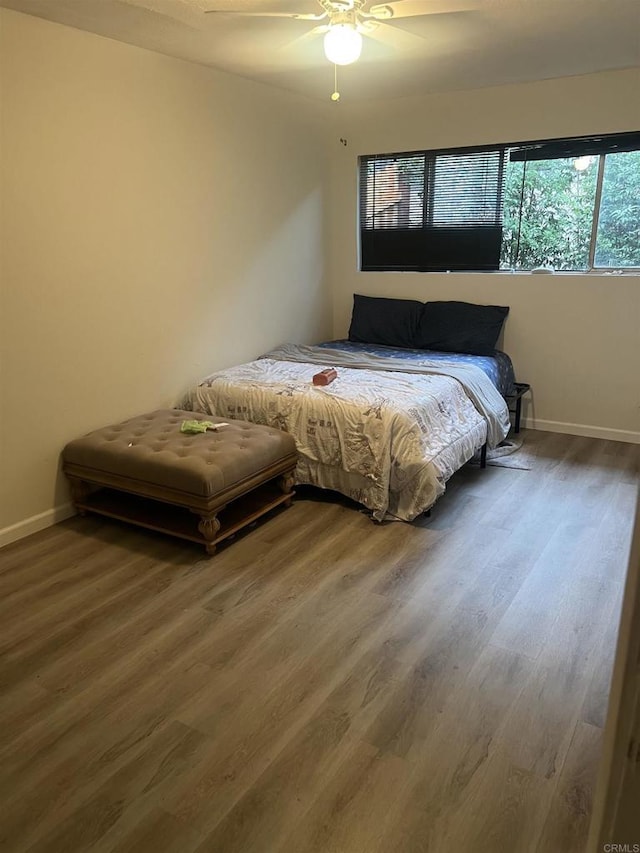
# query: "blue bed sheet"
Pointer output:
{"type": "Point", "coordinates": [497, 367]}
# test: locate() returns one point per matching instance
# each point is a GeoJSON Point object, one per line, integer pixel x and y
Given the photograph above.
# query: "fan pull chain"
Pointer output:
{"type": "Point", "coordinates": [336, 95]}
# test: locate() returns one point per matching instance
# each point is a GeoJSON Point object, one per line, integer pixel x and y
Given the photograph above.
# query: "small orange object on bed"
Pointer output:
{"type": "Point", "coordinates": [325, 376]}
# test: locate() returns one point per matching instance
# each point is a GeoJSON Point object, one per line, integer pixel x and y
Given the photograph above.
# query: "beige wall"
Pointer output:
{"type": "Point", "coordinates": [159, 220]}
{"type": "Point", "coordinates": [576, 338]}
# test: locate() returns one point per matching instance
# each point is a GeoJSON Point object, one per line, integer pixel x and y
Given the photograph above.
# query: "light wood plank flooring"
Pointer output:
{"type": "Point", "coordinates": [323, 683]}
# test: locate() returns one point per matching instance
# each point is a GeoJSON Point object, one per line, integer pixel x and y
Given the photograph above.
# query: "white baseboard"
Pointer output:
{"type": "Point", "coordinates": [583, 429]}
{"type": "Point", "coordinates": [35, 523]}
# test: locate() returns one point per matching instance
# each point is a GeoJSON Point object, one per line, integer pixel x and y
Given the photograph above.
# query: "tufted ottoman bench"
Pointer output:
{"type": "Point", "coordinates": [146, 471]}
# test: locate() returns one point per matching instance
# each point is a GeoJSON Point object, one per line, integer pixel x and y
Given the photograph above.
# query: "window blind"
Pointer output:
{"type": "Point", "coordinates": [583, 146]}
{"type": "Point", "coordinates": [432, 210]}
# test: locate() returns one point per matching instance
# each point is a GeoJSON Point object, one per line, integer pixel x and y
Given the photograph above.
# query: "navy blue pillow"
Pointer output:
{"type": "Point", "coordinates": [392, 322]}
{"type": "Point", "coordinates": [460, 327]}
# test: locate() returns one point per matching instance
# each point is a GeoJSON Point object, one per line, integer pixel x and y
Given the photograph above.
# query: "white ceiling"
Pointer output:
{"type": "Point", "coordinates": [459, 45]}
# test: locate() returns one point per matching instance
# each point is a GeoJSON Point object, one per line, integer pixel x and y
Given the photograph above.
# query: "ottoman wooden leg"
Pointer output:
{"type": "Point", "coordinates": [286, 483]}
{"type": "Point", "coordinates": [79, 493]}
{"type": "Point", "coordinates": [209, 527]}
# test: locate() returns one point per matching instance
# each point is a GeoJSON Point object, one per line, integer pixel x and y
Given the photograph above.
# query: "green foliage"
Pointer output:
{"type": "Point", "coordinates": [557, 214]}
{"type": "Point", "coordinates": [549, 208]}
{"type": "Point", "coordinates": [618, 243]}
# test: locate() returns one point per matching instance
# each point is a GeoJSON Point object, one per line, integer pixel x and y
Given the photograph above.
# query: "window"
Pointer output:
{"type": "Point", "coordinates": [432, 210]}
{"type": "Point", "coordinates": [572, 204]}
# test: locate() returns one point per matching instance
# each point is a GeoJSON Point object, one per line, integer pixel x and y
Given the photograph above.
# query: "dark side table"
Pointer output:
{"type": "Point", "coordinates": [514, 401]}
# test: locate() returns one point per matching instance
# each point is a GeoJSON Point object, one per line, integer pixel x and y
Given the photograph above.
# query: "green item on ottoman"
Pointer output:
{"type": "Point", "coordinates": [196, 426]}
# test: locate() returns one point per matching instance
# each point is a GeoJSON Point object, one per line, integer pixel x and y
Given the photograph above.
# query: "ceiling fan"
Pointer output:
{"type": "Point", "coordinates": [344, 22]}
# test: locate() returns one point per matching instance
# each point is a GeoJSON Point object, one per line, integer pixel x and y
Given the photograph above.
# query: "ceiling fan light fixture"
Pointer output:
{"type": "Point", "coordinates": [342, 44]}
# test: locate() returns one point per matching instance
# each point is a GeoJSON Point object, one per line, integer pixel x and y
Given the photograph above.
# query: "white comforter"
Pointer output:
{"type": "Point", "coordinates": [389, 439]}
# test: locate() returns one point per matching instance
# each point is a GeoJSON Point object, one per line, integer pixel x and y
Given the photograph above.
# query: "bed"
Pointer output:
{"type": "Point", "coordinates": [388, 432]}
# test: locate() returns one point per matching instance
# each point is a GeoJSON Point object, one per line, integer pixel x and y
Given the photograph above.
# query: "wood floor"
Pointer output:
{"type": "Point", "coordinates": [323, 683]}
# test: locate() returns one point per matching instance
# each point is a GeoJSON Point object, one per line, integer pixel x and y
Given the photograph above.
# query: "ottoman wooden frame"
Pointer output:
{"type": "Point", "coordinates": [99, 484]}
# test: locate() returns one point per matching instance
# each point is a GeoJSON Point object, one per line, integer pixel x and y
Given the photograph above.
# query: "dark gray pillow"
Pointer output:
{"type": "Point", "coordinates": [378, 320]}
{"type": "Point", "coordinates": [460, 327]}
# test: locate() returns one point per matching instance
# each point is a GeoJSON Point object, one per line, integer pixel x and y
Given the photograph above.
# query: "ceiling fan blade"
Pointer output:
{"type": "Point", "coordinates": [414, 8]}
{"type": "Point", "coordinates": [266, 14]}
{"type": "Point", "coordinates": [393, 37]}
{"type": "Point", "coordinates": [308, 36]}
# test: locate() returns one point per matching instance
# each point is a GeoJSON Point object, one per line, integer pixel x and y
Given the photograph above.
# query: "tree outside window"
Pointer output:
{"type": "Point", "coordinates": [549, 209]}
